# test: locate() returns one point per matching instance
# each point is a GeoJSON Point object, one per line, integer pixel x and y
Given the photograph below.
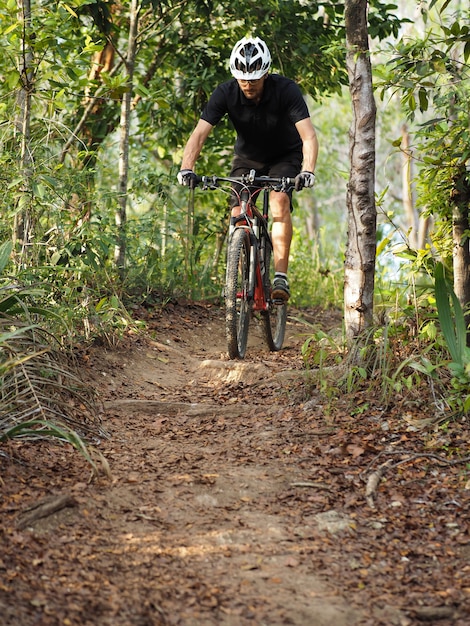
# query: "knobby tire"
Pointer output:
{"type": "Point", "coordinates": [275, 318]}
{"type": "Point", "coordinates": [237, 305]}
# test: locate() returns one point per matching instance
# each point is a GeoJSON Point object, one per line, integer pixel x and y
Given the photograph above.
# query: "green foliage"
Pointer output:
{"type": "Point", "coordinates": [317, 274]}
{"type": "Point", "coordinates": [62, 283]}
{"type": "Point", "coordinates": [424, 68]}
{"type": "Point", "coordinates": [429, 74]}
{"type": "Point", "coordinates": [427, 310]}
{"type": "Point", "coordinates": [5, 252]}
{"type": "Point", "coordinates": [406, 360]}
{"type": "Point", "coordinates": [453, 326]}
{"type": "Point", "coordinates": [40, 395]}
{"type": "Point", "coordinates": [43, 429]}
{"type": "Point", "coordinates": [183, 52]}
{"type": "Point", "coordinates": [323, 355]}
{"type": "Point", "coordinates": [383, 20]}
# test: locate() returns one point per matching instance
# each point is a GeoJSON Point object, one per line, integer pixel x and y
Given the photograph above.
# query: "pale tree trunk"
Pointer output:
{"type": "Point", "coordinates": [418, 226]}
{"type": "Point", "coordinates": [407, 175]}
{"type": "Point", "coordinates": [424, 227]}
{"type": "Point", "coordinates": [312, 226]}
{"type": "Point", "coordinates": [461, 255]}
{"type": "Point", "coordinates": [461, 259]}
{"type": "Point", "coordinates": [359, 271]}
{"type": "Point", "coordinates": [461, 225]}
{"type": "Point", "coordinates": [22, 228]}
{"type": "Point", "coordinates": [121, 213]}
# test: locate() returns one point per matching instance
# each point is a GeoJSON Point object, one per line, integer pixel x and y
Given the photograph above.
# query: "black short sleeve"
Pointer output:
{"type": "Point", "coordinates": [265, 131]}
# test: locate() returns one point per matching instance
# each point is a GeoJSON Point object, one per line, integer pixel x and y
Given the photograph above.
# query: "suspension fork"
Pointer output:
{"type": "Point", "coordinates": [264, 227]}
{"type": "Point", "coordinates": [241, 217]}
{"type": "Point", "coordinates": [266, 203]}
{"type": "Point", "coordinates": [260, 299]}
{"type": "Point", "coordinates": [245, 221]}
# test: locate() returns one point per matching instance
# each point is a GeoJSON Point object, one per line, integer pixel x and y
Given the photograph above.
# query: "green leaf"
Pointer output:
{"type": "Point", "coordinates": [466, 51]}
{"type": "Point", "coordinates": [466, 404]}
{"type": "Point", "coordinates": [453, 327]}
{"type": "Point", "coordinates": [423, 99]}
{"type": "Point", "coordinates": [443, 310]}
{"type": "Point", "coordinates": [382, 245]}
{"type": "Point", "coordinates": [11, 28]}
{"type": "Point", "coordinates": [44, 428]}
{"type": "Point", "coordinates": [455, 29]}
{"type": "Point", "coordinates": [141, 90]}
{"type": "Point", "coordinates": [460, 325]}
{"type": "Point", "coordinates": [5, 251]}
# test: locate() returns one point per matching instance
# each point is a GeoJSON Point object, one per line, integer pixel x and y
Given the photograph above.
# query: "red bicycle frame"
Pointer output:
{"type": "Point", "coordinates": [249, 220]}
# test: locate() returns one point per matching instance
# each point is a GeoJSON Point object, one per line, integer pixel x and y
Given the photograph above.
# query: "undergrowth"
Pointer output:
{"type": "Point", "coordinates": [415, 357]}
{"type": "Point", "coordinates": [41, 394]}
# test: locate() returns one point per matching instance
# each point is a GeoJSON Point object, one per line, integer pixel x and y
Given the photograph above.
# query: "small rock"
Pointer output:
{"type": "Point", "coordinates": [334, 522]}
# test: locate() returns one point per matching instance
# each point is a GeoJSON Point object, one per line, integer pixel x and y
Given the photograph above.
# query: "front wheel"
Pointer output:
{"type": "Point", "coordinates": [237, 305]}
{"type": "Point", "coordinates": [275, 318]}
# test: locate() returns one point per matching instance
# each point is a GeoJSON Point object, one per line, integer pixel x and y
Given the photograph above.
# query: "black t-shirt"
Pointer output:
{"type": "Point", "coordinates": [265, 131]}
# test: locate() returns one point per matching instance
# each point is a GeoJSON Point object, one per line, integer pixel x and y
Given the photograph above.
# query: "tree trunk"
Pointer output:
{"type": "Point", "coordinates": [22, 228]}
{"type": "Point", "coordinates": [461, 260]}
{"type": "Point", "coordinates": [312, 227]}
{"type": "Point", "coordinates": [360, 199]}
{"type": "Point", "coordinates": [121, 213]}
{"type": "Point", "coordinates": [418, 226]}
{"type": "Point", "coordinates": [408, 202]}
{"type": "Point", "coordinates": [424, 228]}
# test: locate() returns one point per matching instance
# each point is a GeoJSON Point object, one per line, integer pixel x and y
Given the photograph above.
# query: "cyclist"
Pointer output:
{"type": "Point", "coordinates": [275, 137]}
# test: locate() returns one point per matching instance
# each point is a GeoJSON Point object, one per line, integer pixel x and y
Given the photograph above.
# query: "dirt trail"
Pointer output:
{"type": "Point", "coordinates": [219, 509]}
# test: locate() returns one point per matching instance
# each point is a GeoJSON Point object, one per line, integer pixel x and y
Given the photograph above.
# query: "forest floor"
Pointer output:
{"type": "Point", "coordinates": [235, 494]}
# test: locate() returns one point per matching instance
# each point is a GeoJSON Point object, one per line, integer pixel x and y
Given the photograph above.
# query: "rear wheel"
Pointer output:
{"type": "Point", "coordinates": [274, 319]}
{"type": "Point", "coordinates": [237, 305]}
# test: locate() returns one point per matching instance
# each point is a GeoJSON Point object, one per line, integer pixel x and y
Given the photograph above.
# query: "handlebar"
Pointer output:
{"type": "Point", "coordinates": [247, 180]}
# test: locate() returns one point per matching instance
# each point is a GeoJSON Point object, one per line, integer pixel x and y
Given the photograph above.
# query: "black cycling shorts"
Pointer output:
{"type": "Point", "coordinates": [290, 165]}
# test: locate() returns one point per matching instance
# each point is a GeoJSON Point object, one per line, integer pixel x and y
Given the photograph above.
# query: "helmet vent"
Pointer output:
{"type": "Point", "coordinates": [250, 59]}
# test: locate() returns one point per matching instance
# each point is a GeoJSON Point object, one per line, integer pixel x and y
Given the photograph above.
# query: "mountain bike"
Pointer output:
{"type": "Point", "coordinates": [250, 262]}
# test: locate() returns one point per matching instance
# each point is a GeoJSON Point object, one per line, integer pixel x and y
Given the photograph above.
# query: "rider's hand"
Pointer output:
{"type": "Point", "coordinates": [187, 178]}
{"type": "Point", "coordinates": [304, 179]}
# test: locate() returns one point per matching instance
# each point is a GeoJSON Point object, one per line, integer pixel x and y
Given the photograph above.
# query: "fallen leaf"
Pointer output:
{"type": "Point", "coordinates": [355, 450]}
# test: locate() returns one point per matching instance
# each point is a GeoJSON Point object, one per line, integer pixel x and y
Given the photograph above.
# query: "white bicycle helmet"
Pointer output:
{"type": "Point", "coordinates": [250, 59]}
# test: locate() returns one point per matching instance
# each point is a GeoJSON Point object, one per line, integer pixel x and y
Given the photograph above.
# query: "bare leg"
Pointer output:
{"type": "Point", "coordinates": [281, 229]}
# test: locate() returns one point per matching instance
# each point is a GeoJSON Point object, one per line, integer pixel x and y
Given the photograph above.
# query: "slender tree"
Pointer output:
{"type": "Point", "coordinates": [22, 229]}
{"type": "Point", "coordinates": [362, 216]}
{"type": "Point", "coordinates": [460, 238]}
{"type": "Point", "coordinates": [121, 213]}
{"type": "Point", "coordinates": [411, 215]}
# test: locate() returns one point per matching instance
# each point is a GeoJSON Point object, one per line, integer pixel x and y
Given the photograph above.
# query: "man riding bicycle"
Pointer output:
{"type": "Point", "coordinates": [275, 137]}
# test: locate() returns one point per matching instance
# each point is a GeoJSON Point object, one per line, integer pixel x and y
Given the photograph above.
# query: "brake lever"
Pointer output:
{"type": "Point", "coordinates": [209, 182]}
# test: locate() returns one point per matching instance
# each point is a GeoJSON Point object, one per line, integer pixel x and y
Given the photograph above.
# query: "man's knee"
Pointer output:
{"type": "Point", "coordinates": [280, 206]}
